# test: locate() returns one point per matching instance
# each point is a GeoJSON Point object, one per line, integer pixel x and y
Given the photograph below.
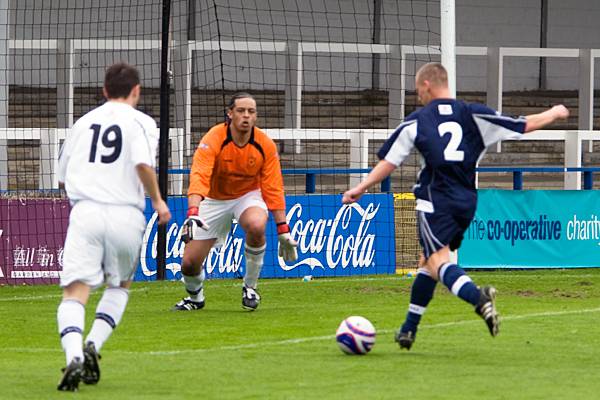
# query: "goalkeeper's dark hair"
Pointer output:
{"type": "Point", "coordinates": [120, 79]}
{"type": "Point", "coordinates": [236, 96]}
{"type": "Point", "coordinates": [433, 72]}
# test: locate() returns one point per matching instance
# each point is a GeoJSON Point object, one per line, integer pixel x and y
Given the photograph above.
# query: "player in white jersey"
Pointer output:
{"type": "Point", "coordinates": [106, 162]}
{"type": "Point", "coordinates": [451, 137]}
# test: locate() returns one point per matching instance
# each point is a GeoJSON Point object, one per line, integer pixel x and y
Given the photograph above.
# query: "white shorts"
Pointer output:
{"type": "Point", "coordinates": [103, 244]}
{"type": "Point", "coordinates": [219, 214]}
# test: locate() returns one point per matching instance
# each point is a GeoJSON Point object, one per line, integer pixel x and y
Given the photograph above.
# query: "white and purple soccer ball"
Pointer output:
{"type": "Point", "coordinates": [355, 335]}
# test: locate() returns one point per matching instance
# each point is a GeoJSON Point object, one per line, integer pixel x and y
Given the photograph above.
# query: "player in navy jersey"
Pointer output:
{"type": "Point", "coordinates": [451, 137]}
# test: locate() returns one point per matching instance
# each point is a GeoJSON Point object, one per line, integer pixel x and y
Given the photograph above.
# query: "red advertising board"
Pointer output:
{"type": "Point", "coordinates": [32, 235]}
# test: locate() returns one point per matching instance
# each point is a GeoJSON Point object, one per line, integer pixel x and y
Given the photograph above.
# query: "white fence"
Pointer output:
{"type": "Point", "coordinates": [51, 139]}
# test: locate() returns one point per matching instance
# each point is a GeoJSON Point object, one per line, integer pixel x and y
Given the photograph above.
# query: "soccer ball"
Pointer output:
{"type": "Point", "coordinates": [355, 335]}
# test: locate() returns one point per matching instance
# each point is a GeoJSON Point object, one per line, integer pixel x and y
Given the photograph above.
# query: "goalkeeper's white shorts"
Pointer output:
{"type": "Point", "coordinates": [219, 215]}
{"type": "Point", "coordinates": [103, 244]}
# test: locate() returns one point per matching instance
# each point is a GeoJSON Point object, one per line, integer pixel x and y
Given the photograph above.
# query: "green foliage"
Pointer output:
{"type": "Point", "coordinates": [547, 347]}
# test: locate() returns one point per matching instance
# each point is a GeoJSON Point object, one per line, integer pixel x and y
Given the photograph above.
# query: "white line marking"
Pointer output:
{"type": "Point", "coordinates": [303, 339]}
{"type": "Point", "coordinates": [59, 295]}
{"type": "Point", "coordinates": [226, 282]}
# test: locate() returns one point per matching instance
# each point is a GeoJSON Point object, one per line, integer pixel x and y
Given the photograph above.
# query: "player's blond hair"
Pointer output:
{"type": "Point", "coordinates": [433, 72]}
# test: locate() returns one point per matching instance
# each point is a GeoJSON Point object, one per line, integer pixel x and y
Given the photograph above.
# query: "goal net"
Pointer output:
{"type": "Point", "coordinates": [331, 80]}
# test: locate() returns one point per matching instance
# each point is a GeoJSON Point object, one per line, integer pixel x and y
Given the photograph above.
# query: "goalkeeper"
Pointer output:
{"type": "Point", "coordinates": [235, 174]}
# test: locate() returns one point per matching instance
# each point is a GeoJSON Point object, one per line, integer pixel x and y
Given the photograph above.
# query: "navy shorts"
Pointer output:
{"type": "Point", "coordinates": [437, 230]}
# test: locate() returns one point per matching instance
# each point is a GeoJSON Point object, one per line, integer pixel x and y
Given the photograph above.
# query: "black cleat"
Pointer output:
{"type": "Point", "coordinates": [71, 376]}
{"type": "Point", "coordinates": [188, 304]}
{"type": "Point", "coordinates": [405, 339]}
{"type": "Point", "coordinates": [250, 298]}
{"type": "Point", "coordinates": [91, 367]}
{"type": "Point", "coordinates": [486, 309]}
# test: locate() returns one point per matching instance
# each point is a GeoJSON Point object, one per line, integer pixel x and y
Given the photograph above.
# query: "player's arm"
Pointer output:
{"type": "Point", "coordinates": [271, 180]}
{"type": "Point", "coordinates": [148, 178]}
{"type": "Point", "coordinates": [143, 155]}
{"type": "Point", "coordinates": [540, 120]}
{"type": "Point", "coordinates": [381, 171]}
{"type": "Point", "coordinates": [274, 196]}
{"type": "Point", "coordinates": [495, 127]}
{"type": "Point", "coordinates": [194, 200]}
{"type": "Point", "coordinates": [287, 245]}
{"type": "Point", "coordinates": [63, 159]}
{"type": "Point", "coordinates": [202, 170]}
{"type": "Point", "coordinates": [393, 152]}
{"type": "Point", "coordinates": [200, 177]}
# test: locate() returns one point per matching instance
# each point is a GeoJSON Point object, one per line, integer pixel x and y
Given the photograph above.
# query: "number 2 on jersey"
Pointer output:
{"type": "Point", "coordinates": [451, 152]}
{"type": "Point", "coordinates": [115, 143]}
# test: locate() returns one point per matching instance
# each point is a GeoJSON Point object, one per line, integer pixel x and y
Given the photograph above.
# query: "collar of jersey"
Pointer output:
{"type": "Point", "coordinates": [230, 138]}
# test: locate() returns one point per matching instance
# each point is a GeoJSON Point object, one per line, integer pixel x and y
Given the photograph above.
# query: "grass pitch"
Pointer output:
{"type": "Point", "coordinates": [548, 347]}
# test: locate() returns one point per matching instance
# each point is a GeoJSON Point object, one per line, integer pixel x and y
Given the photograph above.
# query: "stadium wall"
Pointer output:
{"type": "Point", "coordinates": [515, 23]}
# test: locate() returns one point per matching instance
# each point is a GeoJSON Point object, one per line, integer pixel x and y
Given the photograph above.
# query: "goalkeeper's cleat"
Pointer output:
{"type": "Point", "coordinates": [71, 376]}
{"type": "Point", "coordinates": [91, 366]}
{"type": "Point", "coordinates": [187, 304]}
{"type": "Point", "coordinates": [405, 339]}
{"type": "Point", "coordinates": [250, 298]}
{"type": "Point", "coordinates": [486, 309]}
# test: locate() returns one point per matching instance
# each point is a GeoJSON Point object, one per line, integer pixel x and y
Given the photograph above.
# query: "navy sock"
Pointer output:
{"type": "Point", "coordinates": [459, 283]}
{"type": "Point", "coordinates": [420, 295]}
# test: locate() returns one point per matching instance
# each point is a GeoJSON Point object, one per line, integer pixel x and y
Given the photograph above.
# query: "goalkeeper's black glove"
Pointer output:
{"type": "Point", "coordinates": [190, 224]}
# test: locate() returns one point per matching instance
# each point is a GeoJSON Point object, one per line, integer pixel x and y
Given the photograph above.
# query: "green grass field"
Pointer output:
{"type": "Point", "coordinates": [548, 347]}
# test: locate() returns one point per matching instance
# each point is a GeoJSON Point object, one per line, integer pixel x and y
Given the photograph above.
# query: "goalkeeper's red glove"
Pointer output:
{"type": "Point", "coordinates": [287, 245]}
{"type": "Point", "coordinates": [191, 223]}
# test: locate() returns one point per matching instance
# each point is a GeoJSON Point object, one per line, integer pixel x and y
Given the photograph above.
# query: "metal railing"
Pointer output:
{"type": "Point", "coordinates": [359, 139]}
{"type": "Point", "coordinates": [588, 173]}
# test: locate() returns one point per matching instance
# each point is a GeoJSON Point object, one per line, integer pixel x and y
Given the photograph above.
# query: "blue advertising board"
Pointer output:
{"type": "Point", "coordinates": [333, 240]}
{"type": "Point", "coordinates": [534, 229]}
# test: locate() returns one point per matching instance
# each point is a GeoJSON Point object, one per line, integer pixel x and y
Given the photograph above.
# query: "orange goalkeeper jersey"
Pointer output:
{"type": "Point", "coordinates": [222, 170]}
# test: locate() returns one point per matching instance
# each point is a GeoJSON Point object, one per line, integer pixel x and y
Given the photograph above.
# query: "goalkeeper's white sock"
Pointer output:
{"type": "Point", "coordinates": [108, 315]}
{"type": "Point", "coordinates": [71, 316]}
{"type": "Point", "coordinates": [254, 262]}
{"type": "Point", "coordinates": [194, 285]}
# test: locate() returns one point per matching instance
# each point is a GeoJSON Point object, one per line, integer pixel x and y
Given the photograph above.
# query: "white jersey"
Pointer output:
{"type": "Point", "coordinates": [98, 158]}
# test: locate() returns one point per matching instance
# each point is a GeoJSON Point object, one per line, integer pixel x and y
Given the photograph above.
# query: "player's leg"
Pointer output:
{"type": "Point", "coordinates": [109, 312]}
{"type": "Point", "coordinates": [192, 271]}
{"type": "Point", "coordinates": [421, 294]}
{"type": "Point", "coordinates": [122, 243]}
{"type": "Point", "coordinates": [254, 221]}
{"type": "Point", "coordinates": [461, 285]}
{"type": "Point", "coordinates": [217, 214]}
{"type": "Point", "coordinates": [70, 317]}
{"type": "Point", "coordinates": [82, 271]}
{"type": "Point", "coordinates": [454, 277]}
{"type": "Point", "coordinates": [251, 212]}
{"type": "Point", "coordinates": [448, 230]}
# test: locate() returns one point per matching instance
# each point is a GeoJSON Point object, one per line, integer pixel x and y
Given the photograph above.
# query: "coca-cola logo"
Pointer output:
{"type": "Point", "coordinates": [224, 258]}
{"type": "Point", "coordinates": [334, 238]}
{"type": "Point", "coordinates": [341, 241]}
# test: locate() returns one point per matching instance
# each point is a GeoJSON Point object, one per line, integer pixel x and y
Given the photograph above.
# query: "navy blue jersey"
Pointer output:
{"type": "Point", "coordinates": [451, 136]}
